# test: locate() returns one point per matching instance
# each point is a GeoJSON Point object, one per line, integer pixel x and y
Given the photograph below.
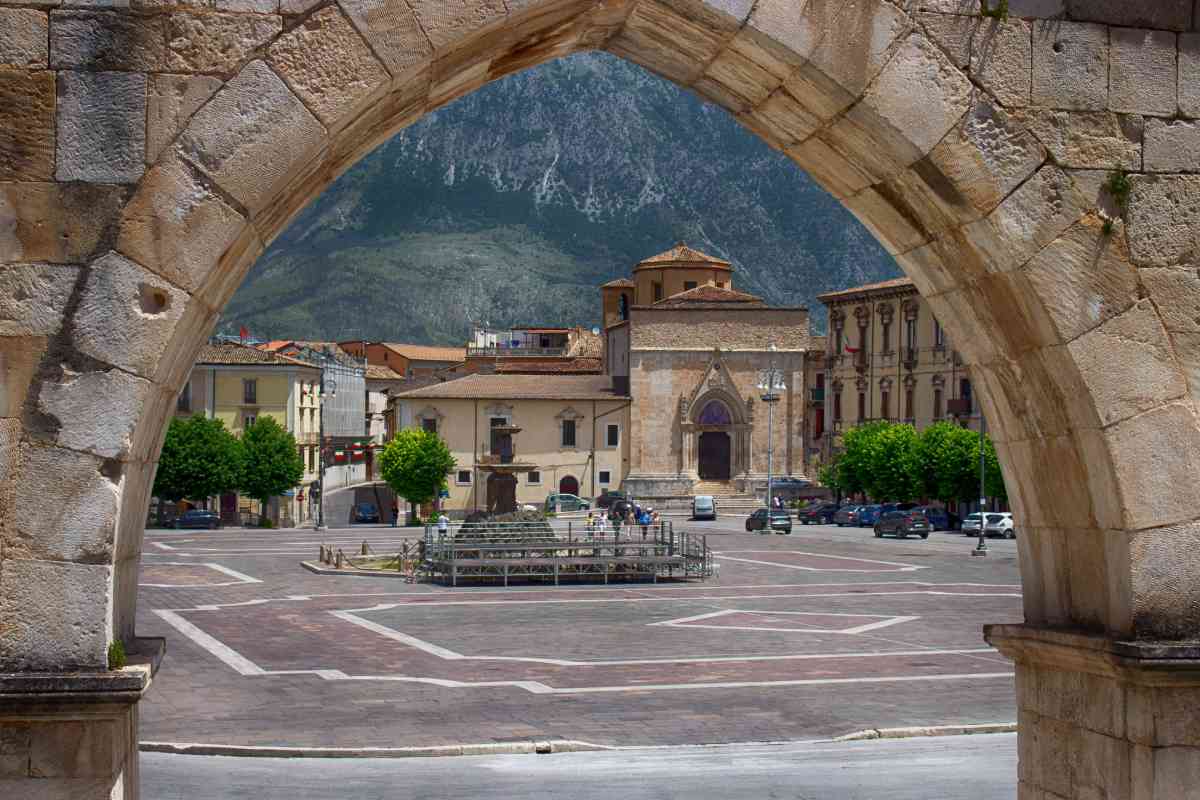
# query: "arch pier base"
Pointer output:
{"type": "Point", "coordinates": [1103, 718]}
{"type": "Point", "coordinates": [74, 735]}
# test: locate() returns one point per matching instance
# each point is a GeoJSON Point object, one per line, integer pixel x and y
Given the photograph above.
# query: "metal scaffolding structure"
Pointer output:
{"type": "Point", "coordinates": [536, 552]}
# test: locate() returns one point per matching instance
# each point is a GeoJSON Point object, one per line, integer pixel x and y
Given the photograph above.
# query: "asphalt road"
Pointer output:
{"type": "Point", "coordinates": [980, 767]}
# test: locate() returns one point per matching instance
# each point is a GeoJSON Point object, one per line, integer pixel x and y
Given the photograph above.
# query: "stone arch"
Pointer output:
{"type": "Point", "coordinates": [142, 174]}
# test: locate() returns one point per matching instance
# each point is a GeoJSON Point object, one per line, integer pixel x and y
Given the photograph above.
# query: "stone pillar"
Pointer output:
{"type": "Point", "coordinates": [74, 736]}
{"type": "Point", "coordinates": [1101, 718]}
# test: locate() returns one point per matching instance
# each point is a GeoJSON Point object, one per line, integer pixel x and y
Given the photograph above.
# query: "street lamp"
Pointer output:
{"type": "Point", "coordinates": [981, 549]}
{"type": "Point", "coordinates": [328, 387]}
{"type": "Point", "coordinates": [770, 383]}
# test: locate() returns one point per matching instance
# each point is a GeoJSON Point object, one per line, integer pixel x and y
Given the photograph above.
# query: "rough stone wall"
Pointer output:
{"type": "Point", "coordinates": [149, 150]}
{"type": "Point", "coordinates": [696, 329]}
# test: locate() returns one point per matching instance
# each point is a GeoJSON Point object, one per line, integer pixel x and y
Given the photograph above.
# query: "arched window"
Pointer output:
{"type": "Point", "coordinates": [715, 413]}
{"type": "Point", "coordinates": [623, 306]}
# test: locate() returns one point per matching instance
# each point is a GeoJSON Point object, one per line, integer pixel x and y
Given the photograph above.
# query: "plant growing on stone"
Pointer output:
{"type": "Point", "coordinates": [272, 462]}
{"type": "Point", "coordinates": [116, 654]}
{"type": "Point", "coordinates": [200, 459]}
{"type": "Point", "coordinates": [1000, 12]}
{"type": "Point", "coordinates": [415, 464]}
{"type": "Point", "coordinates": [1119, 186]}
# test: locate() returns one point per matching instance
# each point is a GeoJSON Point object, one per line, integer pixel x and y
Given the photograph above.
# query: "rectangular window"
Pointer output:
{"type": "Point", "coordinates": [568, 433]}
{"type": "Point", "coordinates": [658, 292]}
{"type": "Point", "coordinates": [535, 477]}
{"type": "Point", "coordinates": [614, 435]}
{"type": "Point", "coordinates": [885, 404]}
{"type": "Point", "coordinates": [248, 420]}
{"type": "Point", "coordinates": [862, 406]}
{"type": "Point", "coordinates": [689, 285]}
{"type": "Point", "coordinates": [464, 477]}
{"type": "Point", "coordinates": [837, 406]}
{"type": "Point", "coordinates": [937, 403]}
{"type": "Point", "coordinates": [604, 476]}
{"type": "Point", "coordinates": [819, 422]}
{"type": "Point", "coordinates": [249, 390]}
{"type": "Point", "coordinates": [908, 404]}
{"type": "Point", "coordinates": [911, 333]}
{"type": "Point", "coordinates": [939, 335]}
{"type": "Point", "coordinates": [184, 403]}
{"type": "Point", "coordinates": [886, 335]}
{"type": "Point", "coordinates": [964, 393]}
{"type": "Point", "coordinates": [837, 341]}
{"type": "Point", "coordinates": [429, 424]}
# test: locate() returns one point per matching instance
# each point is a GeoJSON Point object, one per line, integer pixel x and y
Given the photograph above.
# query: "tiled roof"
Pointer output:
{"type": "Point", "coordinates": [421, 352]}
{"type": "Point", "coordinates": [232, 353]}
{"type": "Point", "coordinates": [682, 254]}
{"type": "Point", "coordinates": [562, 366]}
{"type": "Point", "coordinates": [585, 344]}
{"type": "Point", "coordinates": [381, 372]}
{"type": "Point", "coordinates": [894, 283]}
{"type": "Point", "coordinates": [618, 283]}
{"type": "Point", "coordinates": [710, 294]}
{"type": "Point", "coordinates": [519, 387]}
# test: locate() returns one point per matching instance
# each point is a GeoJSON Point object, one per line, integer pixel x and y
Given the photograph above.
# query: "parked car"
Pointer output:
{"type": "Point", "coordinates": [820, 514]}
{"type": "Point", "coordinates": [846, 515]}
{"type": "Point", "coordinates": [704, 506]}
{"type": "Point", "coordinates": [567, 502]}
{"type": "Point", "coordinates": [366, 512]}
{"type": "Point", "coordinates": [971, 523]}
{"type": "Point", "coordinates": [766, 520]}
{"type": "Point", "coordinates": [886, 507]}
{"type": "Point", "coordinates": [868, 516]}
{"type": "Point", "coordinates": [608, 498]}
{"type": "Point", "coordinates": [620, 509]}
{"type": "Point", "coordinates": [939, 518]}
{"type": "Point", "coordinates": [197, 518]}
{"type": "Point", "coordinates": [902, 523]}
{"type": "Point", "coordinates": [999, 524]}
{"type": "Point", "coordinates": [787, 482]}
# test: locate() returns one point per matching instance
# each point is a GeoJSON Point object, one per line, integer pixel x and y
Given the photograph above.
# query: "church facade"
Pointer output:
{"type": "Point", "coordinates": [690, 351]}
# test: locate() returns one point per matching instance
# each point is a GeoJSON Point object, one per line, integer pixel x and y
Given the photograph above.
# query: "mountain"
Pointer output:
{"type": "Point", "coordinates": [511, 205]}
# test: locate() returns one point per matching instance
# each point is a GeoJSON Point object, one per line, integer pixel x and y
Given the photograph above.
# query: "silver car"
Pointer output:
{"type": "Point", "coordinates": [971, 523]}
{"type": "Point", "coordinates": [999, 523]}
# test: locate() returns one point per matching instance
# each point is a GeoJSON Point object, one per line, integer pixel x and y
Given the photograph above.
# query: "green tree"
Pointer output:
{"type": "Point", "coordinates": [948, 462]}
{"type": "Point", "coordinates": [272, 464]}
{"type": "Point", "coordinates": [993, 479]}
{"type": "Point", "coordinates": [891, 459]}
{"type": "Point", "coordinates": [415, 463]}
{"type": "Point", "coordinates": [199, 459]}
{"type": "Point", "coordinates": [855, 462]}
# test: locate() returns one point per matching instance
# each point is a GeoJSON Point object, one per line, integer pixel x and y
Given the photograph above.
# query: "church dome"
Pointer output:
{"type": "Point", "coordinates": [683, 256]}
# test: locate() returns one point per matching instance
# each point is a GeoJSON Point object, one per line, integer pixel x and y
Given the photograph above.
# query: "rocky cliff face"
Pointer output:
{"type": "Point", "coordinates": [511, 205]}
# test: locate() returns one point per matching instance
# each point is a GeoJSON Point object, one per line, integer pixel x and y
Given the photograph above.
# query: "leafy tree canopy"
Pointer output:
{"type": "Point", "coordinates": [273, 463]}
{"type": "Point", "coordinates": [891, 463]}
{"type": "Point", "coordinates": [948, 459]}
{"type": "Point", "coordinates": [200, 459]}
{"type": "Point", "coordinates": [415, 463]}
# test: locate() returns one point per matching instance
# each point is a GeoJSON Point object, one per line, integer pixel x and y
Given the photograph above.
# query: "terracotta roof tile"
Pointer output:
{"type": "Point", "coordinates": [682, 254]}
{"type": "Point", "coordinates": [519, 387]}
{"type": "Point", "coordinates": [421, 352]}
{"type": "Point", "coordinates": [564, 366]}
{"type": "Point", "coordinates": [233, 353]}
{"type": "Point", "coordinates": [585, 344]}
{"type": "Point", "coordinates": [618, 283]}
{"type": "Point", "coordinates": [381, 372]}
{"type": "Point", "coordinates": [893, 283]}
{"type": "Point", "coordinates": [710, 294]}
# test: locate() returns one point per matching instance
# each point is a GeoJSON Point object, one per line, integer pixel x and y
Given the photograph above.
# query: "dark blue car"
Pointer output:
{"type": "Point", "coordinates": [868, 516]}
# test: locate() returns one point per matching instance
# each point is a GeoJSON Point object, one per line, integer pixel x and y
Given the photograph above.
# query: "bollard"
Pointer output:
{"type": "Point", "coordinates": [364, 548]}
{"type": "Point", "coordinates": [340, 559]}
{"type": "Point", "coordinates": [323, 557]}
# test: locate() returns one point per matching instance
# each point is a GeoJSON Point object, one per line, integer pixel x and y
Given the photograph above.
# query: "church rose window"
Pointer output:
{"type": "Point", "coordinates": [715, 413]}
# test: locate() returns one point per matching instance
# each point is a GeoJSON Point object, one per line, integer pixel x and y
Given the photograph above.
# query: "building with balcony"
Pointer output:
{"type": "Point", "coordinates": [885, 357]}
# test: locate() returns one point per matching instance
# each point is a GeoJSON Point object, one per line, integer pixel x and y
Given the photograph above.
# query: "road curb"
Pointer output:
{"type": "Point", "coordinates": [483, 749]}
{"type": "Point", "coordinates": [313, 566]}
{"type": "Point", "coordinates": [928, 730]}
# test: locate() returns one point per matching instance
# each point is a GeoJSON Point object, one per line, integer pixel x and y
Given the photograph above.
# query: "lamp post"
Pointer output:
{"type": "Point", "coordinates": [770, 382]}
{"type": "Point", "coordinates": [981, 549]}
{"type": "Point", "coordinates": [328, 387]}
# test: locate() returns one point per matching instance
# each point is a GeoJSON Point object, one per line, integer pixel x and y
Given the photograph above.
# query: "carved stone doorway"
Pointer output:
{"type": "Point", "coordinates": [501, 493]}
{"type": "Point", "coordinates": [569, 485]}
{"type": "Point", "coordinates": [714, 456]}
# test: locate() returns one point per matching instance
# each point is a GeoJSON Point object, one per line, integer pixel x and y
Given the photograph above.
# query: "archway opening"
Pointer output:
{"type": "Point", "coordinates": [501, 493]}
{"type": "Point", "coordinates": [568, 484]}
{"type": "Point", "coordinates": [714, 456]}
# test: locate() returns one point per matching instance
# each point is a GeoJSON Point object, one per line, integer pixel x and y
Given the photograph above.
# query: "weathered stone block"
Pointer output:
{"type": "Point", "coordinates": [894, 229]}
{"type": "Point", "coordinates": [70, 749]}
{"type": "Point", "coordinates": [101, 130]}
{"type": "Point", "coordinates": [176, 227]}
{"type": "Point", "coordinates": [20, 357]}
{"type": "Point", "coordinates": [1088, 139]}
{"type": "Point", "coordinates": [864, 42]}
{"type": "Point", "coordinates": [1165, 567]}
{"type": "Point", "coordinates": [56, 222]}
{"type": "Point", "coordinates": [1176, 294]}
{"type": "Point", "coordinates": [96, 411]}
{"type": "Point", "coordinates": [1070, 65]}
{"type": "Point", "coordinates": [1173, 15]}
{"type": "Point", "coordinates": [106, 40]}
{"type": "Point", "coordinates": [1172, 146]}
{"type": "Point", "coordinates": [53, 615]}
{"type": "Point", "coordinates": [171, 101]}
{"type": "Point", "coordinates": [952, 33]}
{"type": "Point", "coordinates": [778, 26]}
{"type": "Point", "coordinates": [251, 135]}
{"type": "Point", "coordinates": [26, 126]}
{"type": "Point", "coordinates": [1164, 218]}
{"type": "Point", "coordinates": [1156, 491]}
{"type": "Point", "coordinates": [450, 23]}
{"type": "Point", "coordinates": [126, 315]}
{"type": "Point", "coordinates": [1142, 71]}
{"type": "Point", "coordinates": [14, 749]}
{"type": "Point", "coordinates": [249, 6]}
{"type": "Point", "coordinates": [1128, 364]}
{"type": "Point", "coordinates": [216, 43]}
{"type": "Point", "coordinates": [750, 83]}
{"type": "Point", "coordinates": [1083, 278]}
{"type": "Point", "coordinates": [664, 42]}
{"type": "Point", "coordinates": [829, 168]}
{"type": "Point", "coordinates": [784, 119]}
{"type": "Point", "coordinates": [1002, 60]}
{"type": "Point", "coordinates": [32, 298]}
{"type": "Point", "coordinates": [327, 64]}
{"type": "Point", "coordinates": [24, 40]}
{"type": "Point", "coordinates": [66, 507]}
{"type": "Point", "coordinates": [392, 29]}
{"type": "Point", "coordinates": [1188, 84]}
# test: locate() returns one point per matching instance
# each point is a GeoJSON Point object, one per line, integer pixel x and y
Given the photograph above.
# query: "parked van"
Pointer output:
{"type": "Point", "coordinates": [704, 507]}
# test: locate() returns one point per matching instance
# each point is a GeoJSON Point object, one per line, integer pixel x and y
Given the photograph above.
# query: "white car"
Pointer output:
{"type": "Point", "coordinates": [999, 523]}
{"type": "Point", "coordinates": [970, 524]}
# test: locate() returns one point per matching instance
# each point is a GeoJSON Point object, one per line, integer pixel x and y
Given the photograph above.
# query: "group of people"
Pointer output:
{"type": "Point", "coordinates": [628, 515]}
